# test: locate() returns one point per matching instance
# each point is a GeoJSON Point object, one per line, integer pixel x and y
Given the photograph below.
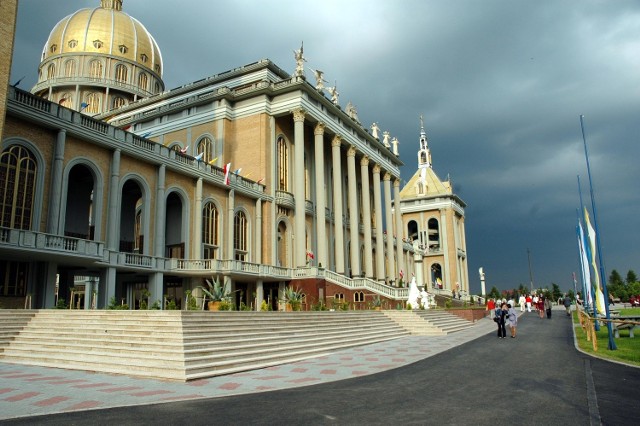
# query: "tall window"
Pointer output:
{"type": "Point", "coordinates": [210, 230]}
{"type": "Point", "coordinates": [18, 171]}
{"type": "Point", "coordinates": [51, 71]}
{"type": "Point", "coordinates": [119, 101]}
{"type": "Point", "coordinates": [70, 68]}
{"type": "Point", "coordinates": [13, 278]}
{"type": "Point", "coordinates": [240, 236]}
{"type": "Point", "coordinates": [434, 234]}
{"type": "Point", "coordinates": [143, 81]}
{"type": "Point", "coordinates": [95, 69]}
{"type": "Point", "coordinates": [307, 179]}
{"type": "Point", "coordinates": [66, 100]}
{"type": "Point", "coordinates": [283, 162]}
{"type": "Point", "coordinates": [205, 147]}
{"type": "Point", "coordinates": [94, 103]}
{"type": "Point", "coordinates": [121, 73]}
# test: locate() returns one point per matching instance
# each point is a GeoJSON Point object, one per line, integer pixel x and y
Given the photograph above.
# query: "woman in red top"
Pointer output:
{"type": "Point", "coordinates": [540, 306]}
{"type": "Point", "coordinates": [528, 301]}
{"type": "Point", "coordinates": [491, 307]}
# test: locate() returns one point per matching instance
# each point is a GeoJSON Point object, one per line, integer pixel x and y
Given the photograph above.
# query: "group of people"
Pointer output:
{"type": "Point", "coordinates": [504, 313]}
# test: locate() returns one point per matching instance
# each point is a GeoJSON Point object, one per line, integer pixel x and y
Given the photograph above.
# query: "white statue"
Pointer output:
{"type": "Point", "coordinates": [374, 130]}
{"type": "Point", "coordinates": [352, 112]}
{"type": "Point", "coordinates": [424, 299]}
{"type": "Point", "coordinates": [414, 294]}
{"type": "Point", "coordinates": [395, 143]}
{"type": "Point", "coordinates": [334, 94]}
{"type": "Point", "coordinates": [300, 60]}
{"type": "Point", "coordinates": [385, 139]}
{"type": "Point", "coordinates": [319, 80]}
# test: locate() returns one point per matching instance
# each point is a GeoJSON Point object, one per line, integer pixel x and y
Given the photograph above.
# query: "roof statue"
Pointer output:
{"type": "Point", "coordinates": [374, 130]}
{"type": "Point", "coordinates": [385, 139]}
{"type": "Point", "coordinates": [395, 143]}
{"type": "Point", "coordinates": [300, 60]}
{"type": "Point", "coordinates": [319, 80]}
{"type": "Point", "coordinates": [352, 112]}
{"type": "Point", "coordinates": [334, 94]}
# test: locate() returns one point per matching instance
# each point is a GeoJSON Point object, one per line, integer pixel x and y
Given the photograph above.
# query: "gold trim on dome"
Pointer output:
{"type": "Point", "coordinates": [111, 4]}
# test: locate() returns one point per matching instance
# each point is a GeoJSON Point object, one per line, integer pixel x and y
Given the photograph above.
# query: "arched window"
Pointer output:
{"type": "Point", "coordinates": [51, 71]}
{"type": "Point", "coordinates": [210, 228]}
{"type": "Point", "coordinates": [121, 73]}
{"type": "Point", "coordinates": [94, 103]}
{"type": "Point", "coordinates": [18, 171]}
{"type": "Point", "coordinates": [70, 68]}
{"type": "Point", "coordinates": [240, 236]}
{"type": "Point", "coordinates": [358, 296]}
{"type": "Point", "coordinates": [283, 165]}
{"type": "Point", "coordinates": [143, 81]}
{"type": "Point", "coordinates": [95, 69]}
{"type": "Point", "coordinates": [205, 147]}
{"type": "Point", "coordinates": [118, 102]}
{"type": "Point", "coordinates": [412, 230]}
{"type": "Point", "coordinates": [434, 234]}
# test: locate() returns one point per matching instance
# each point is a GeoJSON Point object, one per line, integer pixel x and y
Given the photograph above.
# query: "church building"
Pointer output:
{"type": "Point", "coordinates": [115, 190]}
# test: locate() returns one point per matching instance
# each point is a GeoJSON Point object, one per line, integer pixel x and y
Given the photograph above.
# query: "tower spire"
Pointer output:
{"type": "Point", "coordinates": [111, 4]}
{"type": "Point", "coordinates": [424, 155]}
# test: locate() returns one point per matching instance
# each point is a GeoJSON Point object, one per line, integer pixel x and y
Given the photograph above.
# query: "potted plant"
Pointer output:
{"type": "Point", "coordinates": [293, 297]}
{"type": "Point", "coordinates": [376, 303]}
{"type": "Point", "coordinates": [215, 293]}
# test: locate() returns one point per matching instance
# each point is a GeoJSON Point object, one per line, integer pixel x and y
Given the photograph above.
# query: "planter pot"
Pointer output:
{"type": "Point", "coordinates": [214, 306]}
{"type": "Point", "coordinates": [377, 308]}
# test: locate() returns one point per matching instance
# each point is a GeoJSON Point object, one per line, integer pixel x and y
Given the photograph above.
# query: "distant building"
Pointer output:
{"type": "Point", "coordinates": [252, 175]}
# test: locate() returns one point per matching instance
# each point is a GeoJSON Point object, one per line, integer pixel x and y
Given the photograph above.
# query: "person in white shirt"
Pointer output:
{"type": "Point", "coordinates": [522, 301]}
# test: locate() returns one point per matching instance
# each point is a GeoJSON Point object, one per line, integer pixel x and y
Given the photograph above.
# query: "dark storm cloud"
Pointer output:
{"type": "Point", "coordinates": [501, 84]}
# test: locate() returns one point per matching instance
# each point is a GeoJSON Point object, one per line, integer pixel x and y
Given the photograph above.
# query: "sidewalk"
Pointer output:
{"type": "Point", "coordinates": [28, 391]}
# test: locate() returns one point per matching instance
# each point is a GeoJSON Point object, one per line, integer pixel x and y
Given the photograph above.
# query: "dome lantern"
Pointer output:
{"type": "Point", "coordinates": [111, 4]}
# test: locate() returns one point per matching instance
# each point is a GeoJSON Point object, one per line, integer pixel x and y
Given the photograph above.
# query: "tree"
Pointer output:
{"type": "Point", "coordinates": [615, 278]}
{"type": "Point", "coordinates": [556, 293]}
{"type": "Point", "coordinates": [494, 293]}
{"type": "Point", "coordinates": [631, 277]}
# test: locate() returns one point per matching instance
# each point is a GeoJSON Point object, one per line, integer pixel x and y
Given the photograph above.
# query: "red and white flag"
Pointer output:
{"type": "Point", "coordinates": [227, 168]}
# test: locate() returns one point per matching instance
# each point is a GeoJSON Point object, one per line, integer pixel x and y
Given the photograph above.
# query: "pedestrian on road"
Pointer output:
{"type": "Point", "coordinates": [512, 318]}
{"type": "Point", "coordinates": [522, 301]}
{"type": "Point", "coordinates": [540, 306]}
{"type": "Point", "coordinates": [567, 304]}
{"type": "Point", "coordinates": [491, 307]}
{"type": "Point", "coordinates": [547, 307]}
{"type": "Point", "coordinates": [528, 299]}
{"type": "Point", "coordinates": [501, 314]}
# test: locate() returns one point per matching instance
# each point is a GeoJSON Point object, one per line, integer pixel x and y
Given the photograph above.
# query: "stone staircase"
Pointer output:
{"type": "Point", "coordinates": [414, 323]}
{"type": "Point", "coordinates": [445, 321]}
{"type": "Point", "coordinates": [188, 345]}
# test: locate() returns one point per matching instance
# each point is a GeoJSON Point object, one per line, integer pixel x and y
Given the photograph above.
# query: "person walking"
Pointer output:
{"type": "Point", "coordinates": [491, 307]}
{"type": "Point", "coordinates": [512, 318]}
{"type": "Point", "coordinates": [501, 314]}
{"type": "Point", "coordinates": [528, 301]}
{"type": "Point", "coordinates": [522, 302]}
{"type": "Point", "coordinates": [540, 306]}
{"type": "Point", "coordinates": [547, 307]}
{"type": "Point", "coordinates": [567, 304]}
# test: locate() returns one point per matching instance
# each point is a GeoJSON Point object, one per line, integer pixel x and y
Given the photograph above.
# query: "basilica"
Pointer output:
{"type": "Point", "coordinates": [115, 190]}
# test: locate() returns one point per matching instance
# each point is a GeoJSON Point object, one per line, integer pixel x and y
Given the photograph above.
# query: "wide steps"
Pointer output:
{"type": "Point", "coordinates": [184, 345]}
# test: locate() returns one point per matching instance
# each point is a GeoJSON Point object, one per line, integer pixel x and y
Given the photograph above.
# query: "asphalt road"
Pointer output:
{"type": "Point", "coordinates": [538, 378]}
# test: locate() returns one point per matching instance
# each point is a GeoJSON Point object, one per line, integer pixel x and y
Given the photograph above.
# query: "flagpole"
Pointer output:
{"type": "Point", "coordinates": [612, 343]}
{"type": "Point", "coordinates": [597, 324]}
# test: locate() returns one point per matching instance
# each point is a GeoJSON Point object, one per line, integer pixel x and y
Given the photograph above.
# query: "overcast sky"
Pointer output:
{"type": "Point", "coordinates": [501, 85]}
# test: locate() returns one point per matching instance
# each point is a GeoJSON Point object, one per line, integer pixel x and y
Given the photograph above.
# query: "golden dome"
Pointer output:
{"type": "Point", "coordinates": [105, 30]}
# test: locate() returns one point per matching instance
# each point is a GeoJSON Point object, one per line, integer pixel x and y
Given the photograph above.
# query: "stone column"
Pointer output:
{"type": "Point", "coordinates": [197, 222]}
{"type": "Point", "coordinates": [299, 244]}
{"type": "Point", "coordinates": [444, 246]}
{"type": "Point", "coordinates": [366, 217]}
{"type": "Point", "coordinates": [321, 223]}
{"type": "Point", "coordinates": [354, 242]}
{"type": "Point", "coordinates": [161, 212]}
{"type": "Point", "coordinates": [377, 202]}
{"type": "Point", "coordinates": [55, 198]}
{"type": "Point", "coordinates": [337, 203]}
{"type": "Point", "coordinates": [231, 206]}
{"type": "Point", "coordinates": [399, 229]}
{"type": "Point", "coordinates": [112, 224]}
{"type": "Point", "coordinates": [391, 261]}
{"type": "Point", "coordinates": [258, 235]}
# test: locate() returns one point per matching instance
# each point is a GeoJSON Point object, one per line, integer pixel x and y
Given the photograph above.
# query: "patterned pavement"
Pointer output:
{"type": "Point", "coordinates": [29, 391]}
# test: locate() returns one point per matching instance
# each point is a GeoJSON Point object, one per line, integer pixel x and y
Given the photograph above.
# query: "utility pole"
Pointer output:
{"type": "Point", "coordinates": [530, 271]}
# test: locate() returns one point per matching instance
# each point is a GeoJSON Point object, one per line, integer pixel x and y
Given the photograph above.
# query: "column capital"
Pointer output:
{"type": "Point", "coordinates": [396, 182]}
{"type": "Point", "coordinates": [364, 161]}
{"type": "Point", "coordinates": [376, 169]}
{"type": "Point", "coordinates": [319, 129]}
{"type": "Point", "coordinates": [351, 152]}
{"type": "Point", "coordinates": [336, 141]}
{"type": "Point", "coordinates": [386, 176]}
{"type": "Point", "coordinates": [299, 114]}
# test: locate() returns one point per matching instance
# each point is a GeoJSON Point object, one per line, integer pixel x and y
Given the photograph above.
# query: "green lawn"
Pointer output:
{"type": "Point", "coordinates": [628, 350]}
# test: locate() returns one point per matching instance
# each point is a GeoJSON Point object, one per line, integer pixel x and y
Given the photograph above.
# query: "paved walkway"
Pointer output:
{"type": "Point", "coordinates": [28, 391]}
{"type": "Point", "coordinates": [469, 377]}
